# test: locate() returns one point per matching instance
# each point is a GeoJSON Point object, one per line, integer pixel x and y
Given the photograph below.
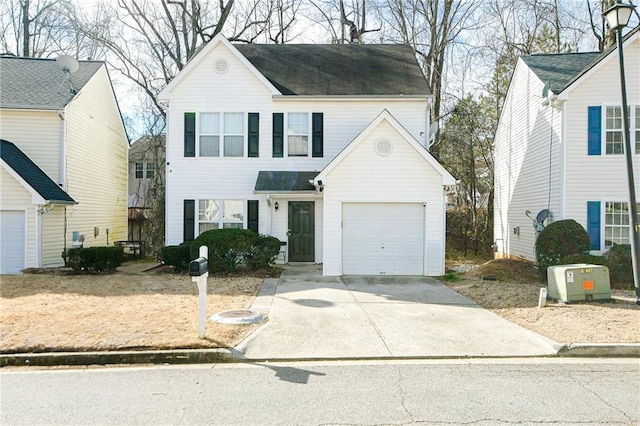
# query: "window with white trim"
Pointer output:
{"type": "Point", "coordinates": [613, 130]}
{"type": "Point", "coordinates": [297, 134]}
{"type": "Point", "coordinates": [637, 126]}
{"type": "Point", "coordinates": [139, 170]}
{"type": "Point", "coordinates": [218, 214]}
{"type": "Point", "coordinates": [616, 223]}
{"type": "Point", "coordinates": [221, 134]}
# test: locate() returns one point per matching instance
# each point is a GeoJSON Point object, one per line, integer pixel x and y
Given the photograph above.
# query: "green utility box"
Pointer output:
{"type": "Point", "coordinates": [578, 281]}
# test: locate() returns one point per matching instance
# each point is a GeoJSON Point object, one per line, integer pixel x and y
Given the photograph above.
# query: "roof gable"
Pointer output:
{"type": "Point", "coordinates": [447, 178]}
{"type": "Point", "coordinates": [30, 83]}
{"type": "Point", "coordinates": [30, 174]}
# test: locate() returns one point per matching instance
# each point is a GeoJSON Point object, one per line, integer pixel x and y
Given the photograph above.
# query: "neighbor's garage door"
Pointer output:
{"type": "Point", "coordinates": [382, 238]}
{"type": "Point", "coordinates": [12, 242]}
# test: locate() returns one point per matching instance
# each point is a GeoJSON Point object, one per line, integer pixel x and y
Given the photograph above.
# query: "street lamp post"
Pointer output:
{"type": "Point", "coordinates": [617, 18]}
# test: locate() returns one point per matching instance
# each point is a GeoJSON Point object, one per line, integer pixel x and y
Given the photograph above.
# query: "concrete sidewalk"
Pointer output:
{"type": "Point", "coordinates": [316, 317]}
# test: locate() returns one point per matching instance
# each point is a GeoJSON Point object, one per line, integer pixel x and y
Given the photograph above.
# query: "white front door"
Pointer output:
{"type": "Point", "coordinates": [12, 242]}
{"type": "Point", "coordinates": [383, 238]}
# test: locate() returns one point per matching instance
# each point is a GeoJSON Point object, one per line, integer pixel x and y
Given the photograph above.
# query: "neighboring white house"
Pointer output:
{"type": "Point", "coordinates": [64, 161]}
{"type": "Point", "coordinates": [559, 148]}
{"type": "Point", "coordinates": [321, 146]}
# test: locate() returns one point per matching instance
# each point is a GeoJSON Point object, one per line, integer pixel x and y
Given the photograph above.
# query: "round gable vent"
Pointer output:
{"type": "Point", "coordinates": [221, 66]}
{"type": "Point", "coordinates": [383, 147]}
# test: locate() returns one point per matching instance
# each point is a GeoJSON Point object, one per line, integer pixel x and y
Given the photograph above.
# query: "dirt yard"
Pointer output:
{"type": "Point", "coordinates": [50, 312]}
{"type": "Point", "coordinates": [514, 296]}
{"type": "Point", "coordinates": [53, 312]}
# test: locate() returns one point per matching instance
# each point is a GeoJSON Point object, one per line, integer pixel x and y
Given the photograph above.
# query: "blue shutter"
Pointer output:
{"type": "Point", "coordinates": [594, 130]}
{"type": "Point", "coordinates": [252, 215]}
{"type": "Point", "coordinates": [254, 134]}
{"type": "Point", "coordinates": [317, 134]}
{"type": "Point", "coordinates": [278, 134]}
{"type": "Point", "coordinates": [593, 223]}
{"type": "Point", "coordinates": [189, 217]}
{"type": "Point", "coordinates": [189, 134]}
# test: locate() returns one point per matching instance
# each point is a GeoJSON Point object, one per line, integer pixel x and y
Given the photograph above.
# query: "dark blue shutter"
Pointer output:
{"type": "Point", "coordinates": [593, 223]}
{"type": "Point", "coordinates": [189, 134]}
{"type": "Point", "coordinates": [594, 130]}
{"type": "Point", "coordinates": [317, 134]}
{"type": "Point", "coordinates": [278, 134]}
{"type": "Point", "coordinates": [252, 215]}
{"type": "Point", "coordinates": [254, 134]}
{"type": "Point", "coordinates": [189, 218]}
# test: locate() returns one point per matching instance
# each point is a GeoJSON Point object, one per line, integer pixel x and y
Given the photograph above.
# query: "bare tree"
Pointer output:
{"type": "Point", "coordinates": [346, 22]}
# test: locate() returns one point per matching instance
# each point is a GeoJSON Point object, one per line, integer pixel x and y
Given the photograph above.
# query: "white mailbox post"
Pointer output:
{"type": "Point", "coordinates": [199, 271]}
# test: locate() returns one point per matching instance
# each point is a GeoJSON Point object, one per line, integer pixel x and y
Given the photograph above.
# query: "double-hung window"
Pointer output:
{"type": "Point", "coordinates": [221, 134]}
{"type": "Point", "coordinates": [139, 170]}
{"type": "Point", "coordinates": [218, 214]}
{"type": "Point", "coordinates": [298, 134]}
{"type": "Point", "coordinates": [637, 126]}
{"type": "Point", "coordinates": [151, 170]}
{"type": "Point", "coordinates": [616, 223]}
{"type": "Point", "coordinates": [613, 130]}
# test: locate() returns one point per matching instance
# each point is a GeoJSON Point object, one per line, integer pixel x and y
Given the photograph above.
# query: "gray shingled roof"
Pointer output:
{"type": "Point", "coordinates": [285, 181]}
{"type": "Point", "coordinates": [338, 69]}
{"type": "Point", "coordinates": [561, 68]}
{"type": "Point", "coordinates": [32, 174]}
{"type": "Point", "coordinates": [30, 83]}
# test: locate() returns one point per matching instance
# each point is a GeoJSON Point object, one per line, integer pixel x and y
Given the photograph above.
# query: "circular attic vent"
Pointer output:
{"type": "Point", "coordinates": [221, 66]}
{"type": "Point", "coordinates": [383, 147]}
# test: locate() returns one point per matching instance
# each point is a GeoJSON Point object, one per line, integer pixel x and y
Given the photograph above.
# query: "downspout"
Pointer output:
{"type": "Point", "coordinates": [62, 178]}
{"type": "Point", "coordinates": [38, 237]}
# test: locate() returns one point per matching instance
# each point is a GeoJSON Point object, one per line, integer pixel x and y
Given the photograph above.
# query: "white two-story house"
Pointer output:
{"type": "Point", "coordinates": [559, 150]}
{"type": "Point", "coordinates": [63, 165]}
{"type": "Point", "coordinates": [321, 146]}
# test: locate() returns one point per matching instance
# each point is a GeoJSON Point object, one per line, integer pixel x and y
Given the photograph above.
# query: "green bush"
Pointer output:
{"type": "Point", "coordinates": [590, 259]}
{"type": "Point", "coordinates": [177, 256]}
{"type": "Point", "coordinates": [264, 252]}
{"type": "Point", "coordinates": [620, 266]}
{"type": "Point", "coordinates": [559, 240]}
{"type": "Point", "coordinates": [94, 259]}
{"type": "Point", "coordinates": [227, 247]}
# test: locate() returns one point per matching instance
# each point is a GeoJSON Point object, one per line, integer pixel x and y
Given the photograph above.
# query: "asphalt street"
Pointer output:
{"type": "Point", "coordinates": [478, 391]}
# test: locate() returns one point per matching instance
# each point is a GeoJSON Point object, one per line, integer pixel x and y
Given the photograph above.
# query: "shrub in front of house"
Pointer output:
{"type": "Point", "coordinates": [94, 259]}
{"type": "Point", "coordinates": [177, 256]}
{"type": "Point", "coordinates": [228, 247]}
{"type": "Point", "coordinates": [559, 240]}
{"type": "Point", "coordinates": [264, 252]}
{"type": "Point", "coordinates": [620, 266]}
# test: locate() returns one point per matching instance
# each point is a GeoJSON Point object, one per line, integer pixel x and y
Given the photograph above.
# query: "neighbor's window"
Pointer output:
{"type": "Point", "coordinates": [616, 223]}
{"type": "Point", "coordinates": [637, 122]}
{"type": "Point", "coordinates": [298, 134]}
{"type": "Point", "coordinates": [613, 138]}
{"type": "Point", "coordinates": [217, 214]}
{"type": "Point", "coordinates": [151, 170]}
{"type": "Point", "coordinates": [139, 170]}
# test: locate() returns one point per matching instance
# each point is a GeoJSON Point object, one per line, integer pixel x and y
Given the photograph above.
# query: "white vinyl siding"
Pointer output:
{"type": "Point", "coordinates": [528, 166]}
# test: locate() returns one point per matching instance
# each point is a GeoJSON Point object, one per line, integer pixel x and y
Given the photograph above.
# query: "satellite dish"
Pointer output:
{"type": "Point", "coordinates": [542, 215]}
{"type": "Point", "coordinates": [67, 63]}
{"type": "Point", "coordinates": [545, 89]}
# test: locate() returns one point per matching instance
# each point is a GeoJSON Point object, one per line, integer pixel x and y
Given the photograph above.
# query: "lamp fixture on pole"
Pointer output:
{"type": "Point", "coordinates": [617, 18]}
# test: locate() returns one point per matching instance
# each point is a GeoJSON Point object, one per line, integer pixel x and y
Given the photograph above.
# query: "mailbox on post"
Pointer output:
{"type": "Point", "coordinates": [198, 267]}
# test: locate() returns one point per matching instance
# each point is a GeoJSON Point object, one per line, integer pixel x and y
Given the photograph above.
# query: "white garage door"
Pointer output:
{"type": "Point", "coordinates": [382, 238]}
{"type": "Point", "coordinates": [12, 242]}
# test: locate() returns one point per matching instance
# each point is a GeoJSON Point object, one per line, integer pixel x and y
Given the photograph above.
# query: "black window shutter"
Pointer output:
{"type": "Point", "coordinates": [189, 134]}
{"type": "Point", "coordinates": [254, 134]}
{"type": "Point", "coordinates": [252, 215]}
{"type": "Point", "coordinates": [189, 220]}
{"type": "Point", "coordinates": [278, 134]}
{"type": "Point", "coordinates": [317, 134]}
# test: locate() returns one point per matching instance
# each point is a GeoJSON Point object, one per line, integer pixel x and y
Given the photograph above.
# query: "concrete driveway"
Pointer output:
{"type": "Point", "coordinates": [316, 317]}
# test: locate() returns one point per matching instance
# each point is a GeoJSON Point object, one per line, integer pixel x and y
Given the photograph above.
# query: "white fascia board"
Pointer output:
{"type": "Point", "coordinates": [36, 198]}
{"type": "Point", "coordinates": [564, 95]}
{"type": "Point", "coordinates": [165, 93]}
{"type": "Point", "coordinates": [447, 178]}
{"type": "Point", "coordinates": [348, 98]}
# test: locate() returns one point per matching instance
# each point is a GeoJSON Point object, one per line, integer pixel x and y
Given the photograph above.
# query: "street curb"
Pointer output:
{"type": "Point", "coordinates": [600, 350]}
{"type": "Point", "coordinates": [180, 356]}
{"type": "Point", "coordinates": [210, 356]}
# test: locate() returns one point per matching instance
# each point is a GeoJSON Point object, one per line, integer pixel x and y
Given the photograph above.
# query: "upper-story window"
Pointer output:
{"type": "Point", "coordinates": [221, 133]}
{"type": "Point", "coordinates": [298, 134]}
{"type": "Point", "coordinates": [614, 142]}
{"type": "Point", "coordinates": [151, 170]}
{"type": "Point", "coordinates": [637, 126]}
{"type": "Point", "coordinates": [139, 170]}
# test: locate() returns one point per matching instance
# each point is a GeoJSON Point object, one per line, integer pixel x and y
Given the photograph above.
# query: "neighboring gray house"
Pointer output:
{"type": "Point", "coordinates": [558, 148]}
{"type": "Point", "coordinates": [321, 146]}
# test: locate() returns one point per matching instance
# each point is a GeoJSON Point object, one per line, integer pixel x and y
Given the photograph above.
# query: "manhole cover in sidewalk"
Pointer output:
{"type": "Point", "coordinates": [239, 316]}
